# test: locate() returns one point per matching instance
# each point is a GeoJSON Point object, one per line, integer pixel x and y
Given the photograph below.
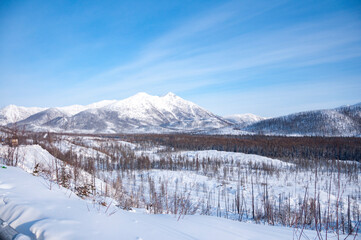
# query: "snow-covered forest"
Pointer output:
{"type": "Point", "coordinates": [312, 198]}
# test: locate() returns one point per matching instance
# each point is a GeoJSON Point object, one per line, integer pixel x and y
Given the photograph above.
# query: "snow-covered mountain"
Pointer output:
{"type": "Point", "coordinates": [342, 121]}
{"type": "Point", "coordinates": [74, 109]}
{"type": "Point", "coordinates": [243, 120]}
{"type": "Point", "coordinates": [139, 113]}
{"type": "Point", "coordinates": [12, 113]}
{"type": "Point", "coordinates": [42, 117]}
{"type": "Point", "coordinates": [144, 113]}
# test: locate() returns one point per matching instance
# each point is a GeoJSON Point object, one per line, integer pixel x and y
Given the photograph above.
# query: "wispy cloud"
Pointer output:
{"type": "Point", "coordinates": [236, 46]}
{"type": "Point", "coordinates": [186, 55]}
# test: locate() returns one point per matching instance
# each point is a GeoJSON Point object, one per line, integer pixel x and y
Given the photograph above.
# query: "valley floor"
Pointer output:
{"type": "Point", "coordinates": [93, 187]}
{"type": "Point", "coordinates": [35, 208]}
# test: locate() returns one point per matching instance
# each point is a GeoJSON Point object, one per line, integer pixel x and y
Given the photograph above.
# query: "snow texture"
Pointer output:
{"type": "Point", "coordinates": [32, 209]}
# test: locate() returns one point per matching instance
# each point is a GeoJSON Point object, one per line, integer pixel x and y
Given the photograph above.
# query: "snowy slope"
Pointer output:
{"type": "Point", "coordinates": [12, 113]}
{"type": "Point", "coordinates": [139, 113]}
{"type": "Point", "coordinates": [142, 113]}
{"type": "Point", "coordinates": [31, 155]}
{"type": "Point", "coordinates": [33, 209]}
{"type": "Point", "coordinates": [169, 110]}
{"type": "Point", "coordinates": [42, 117]}
{"type": "Point", "coordinates": [43, 210]}
{"type": "Point", "coordinates": [75, 109]}
{"type": "Point", "coordinates": [342, 121]}
{"type": "Point", "coordinates": [243, 120]}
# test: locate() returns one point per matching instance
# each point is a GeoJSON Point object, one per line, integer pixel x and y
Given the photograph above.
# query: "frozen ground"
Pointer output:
{"type": "Point", "coordinates": [40, 208]}
{"type": "Point", "coordinates": [32, 208]}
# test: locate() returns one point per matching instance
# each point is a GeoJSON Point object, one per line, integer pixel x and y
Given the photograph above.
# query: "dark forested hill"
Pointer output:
{"type": "Point", "coordinates": [342, 121]}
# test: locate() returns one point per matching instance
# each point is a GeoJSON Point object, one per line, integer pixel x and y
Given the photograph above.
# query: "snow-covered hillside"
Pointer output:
{"type": "Point", "coordinates": [243, 120]}
{"type": "Point", "coordinates": [42, 117]}
{"type": "Point", "coordinates": [33, 209]}
{"type": "Point", "coordinates": [74, 109]}
{"type": "Point", "coordinates": [43, 210]}
{"type": "Point", "coordinates": [139, 113]}
{"type": "Point", "coordinates": [170, 194]}
{"type": "Point", "coordinates": [12, 113]}
{"type": "Point", "coordinates": [342, 121]}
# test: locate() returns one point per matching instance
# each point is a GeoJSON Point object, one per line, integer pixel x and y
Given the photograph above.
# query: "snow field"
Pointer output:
{"type": "Point", "coordinates": [31, 208]}
{"type": "Point", "coordinates": [205, 191]}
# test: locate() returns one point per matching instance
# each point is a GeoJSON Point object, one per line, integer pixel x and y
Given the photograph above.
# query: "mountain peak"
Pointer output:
{"type": "Point", "coordinates": [170, 94]}
{"type": "Point", "coordinates": [11, 106]}
{"type": "Point", "coordinates": [142, 113]}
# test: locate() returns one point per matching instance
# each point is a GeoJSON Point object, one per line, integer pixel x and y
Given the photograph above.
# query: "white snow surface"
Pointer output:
{"type": "Point", "coordinates": [135, 106]}
{"type": "Point", "coordinates": [28, 205]}
{"type": "Point", "coordinates": [244, 118]}
{"type": "Point", "coordinates": [235, 156]}
{"type": "Point", "coordinates": [75, 109]}
{"type": "Point", "coordinates": [30, 155]}
{"type": "Point", "coordinates": [12, 113]}
{"type": "Point", "coordinates": [139, 113]}
{"type": "Point", "coordinates": [139, 105]}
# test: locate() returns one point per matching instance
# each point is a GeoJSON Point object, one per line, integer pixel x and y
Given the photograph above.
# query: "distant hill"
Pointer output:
{"type": "Point", "coordinates": [342, 121]}
{"type": "Point", "coordinates": [243, 120]}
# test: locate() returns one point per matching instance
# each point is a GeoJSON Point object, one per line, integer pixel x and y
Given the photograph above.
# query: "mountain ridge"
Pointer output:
{"type": "Point", "coordinates": [139, 113]}
{"type": "Point", "coordinates": [243, 120]}
{"type": "Point", "coordinates": [144, 113]}
{"type": "Point", "coordinates": [340, 121]}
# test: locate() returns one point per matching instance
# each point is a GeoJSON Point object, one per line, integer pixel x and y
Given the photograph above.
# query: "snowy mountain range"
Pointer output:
{"type": "Point", "coordinates": [12, 113]}
{"type": "Point", "coordinates": [143, 113]}
{"type": "Point", "coordinates": [139, 113]}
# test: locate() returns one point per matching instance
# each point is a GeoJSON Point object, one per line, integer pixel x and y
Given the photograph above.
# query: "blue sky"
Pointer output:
{"type": "Point", "coordinates": [269, 58]}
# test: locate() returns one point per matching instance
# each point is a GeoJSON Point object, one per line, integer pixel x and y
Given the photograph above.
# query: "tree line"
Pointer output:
{"type": "Point", "coordinates": [316, 148]}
